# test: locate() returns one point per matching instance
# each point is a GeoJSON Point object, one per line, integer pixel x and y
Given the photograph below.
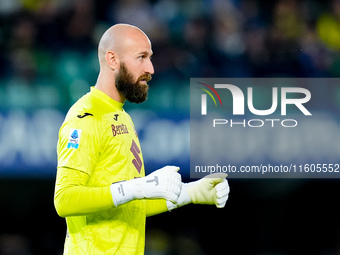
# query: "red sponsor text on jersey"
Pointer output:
{"type": "Point", "coordinates": [119, 129]}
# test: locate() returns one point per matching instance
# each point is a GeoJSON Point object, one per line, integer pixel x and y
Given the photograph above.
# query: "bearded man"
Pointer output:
{"type": "Point", "coordinates": [101, 188]}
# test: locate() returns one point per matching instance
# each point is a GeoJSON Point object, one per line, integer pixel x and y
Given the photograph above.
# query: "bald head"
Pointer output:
{"type": "Point", "coordinates": [119, 39]}
{"type": "Point", "coordinates": [124, 53]}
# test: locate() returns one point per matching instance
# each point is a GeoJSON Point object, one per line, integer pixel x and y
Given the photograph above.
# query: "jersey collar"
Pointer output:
{"type": "Point", "coordinates": [100, 94]}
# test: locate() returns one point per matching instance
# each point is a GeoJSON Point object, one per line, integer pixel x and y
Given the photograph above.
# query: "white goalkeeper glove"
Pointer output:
{"type": "Point", "coordinates": [212, 189]}
{"type": "Point", "coordinates": [164, 183]}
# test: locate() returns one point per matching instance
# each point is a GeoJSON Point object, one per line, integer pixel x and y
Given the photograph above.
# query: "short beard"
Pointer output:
{"type": "Point", "coordinates": [135, 92]}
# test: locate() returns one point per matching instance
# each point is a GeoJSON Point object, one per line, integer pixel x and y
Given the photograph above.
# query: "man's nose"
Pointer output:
{"type": "Point", "coordinates": [149, 67]}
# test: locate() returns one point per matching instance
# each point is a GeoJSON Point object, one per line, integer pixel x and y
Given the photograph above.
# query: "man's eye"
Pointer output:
{"type": "Point", "coordinates": [141, 57]}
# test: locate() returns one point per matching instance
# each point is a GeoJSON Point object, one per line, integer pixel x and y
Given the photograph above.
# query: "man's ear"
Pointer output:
{"type": "Point", "coordinates": [112, 59]}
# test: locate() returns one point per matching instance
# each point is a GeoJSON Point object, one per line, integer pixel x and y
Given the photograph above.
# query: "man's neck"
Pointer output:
{"type": "Point", "coordinates": [106, 84]}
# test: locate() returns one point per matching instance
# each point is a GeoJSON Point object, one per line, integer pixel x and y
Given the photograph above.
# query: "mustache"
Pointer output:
{"type": "Point", "coordinates": [146, 77]}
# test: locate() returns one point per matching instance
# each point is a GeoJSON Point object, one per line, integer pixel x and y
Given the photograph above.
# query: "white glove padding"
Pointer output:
{"type": "Point", "coordinates": [212, 189]}
{"type": "Point", "coordinates": [164, 183]}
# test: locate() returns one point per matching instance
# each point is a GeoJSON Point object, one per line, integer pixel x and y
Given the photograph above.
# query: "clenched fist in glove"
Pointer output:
{"type": "Point", "coordinates": [212, 189]}
{"type": "Point", "coordinates": [164, 183]}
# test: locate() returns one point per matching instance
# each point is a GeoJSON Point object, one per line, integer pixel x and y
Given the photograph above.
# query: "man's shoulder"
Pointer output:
{"type": "Point", "coordinates": [91, 105]}
{"type": "Point", "coordinates": [82, 114]}
{"type": "Point", "coordinates": [92, 112]}
{"type": "Point", "coordinates": [84, 104]}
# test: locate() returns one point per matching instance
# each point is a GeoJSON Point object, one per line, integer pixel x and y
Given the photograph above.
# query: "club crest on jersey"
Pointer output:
{"type": "Point", "coordinates": [74, 139]}
{"type": "Point", "coordinates": [119, 129]}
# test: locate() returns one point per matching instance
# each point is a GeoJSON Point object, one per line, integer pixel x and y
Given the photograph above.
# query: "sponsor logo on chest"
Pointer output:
{"type": "Point", "coordinates": [119, 129]}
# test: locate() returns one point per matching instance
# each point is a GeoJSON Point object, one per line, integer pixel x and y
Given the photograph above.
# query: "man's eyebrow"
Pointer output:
{"type": "Point", "coordinates": [146, 53]}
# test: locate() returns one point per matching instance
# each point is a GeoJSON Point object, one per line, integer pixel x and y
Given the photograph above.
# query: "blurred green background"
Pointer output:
{"type": "Point", "coordinates": [48, 60]}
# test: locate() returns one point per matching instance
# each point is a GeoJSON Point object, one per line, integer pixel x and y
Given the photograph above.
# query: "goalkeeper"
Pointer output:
{"type": "Point", "coordinates": [101, 188]}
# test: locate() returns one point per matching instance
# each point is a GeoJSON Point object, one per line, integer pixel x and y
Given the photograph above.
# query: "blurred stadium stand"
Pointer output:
{"type": "Point", "coordinates": [48, 59]}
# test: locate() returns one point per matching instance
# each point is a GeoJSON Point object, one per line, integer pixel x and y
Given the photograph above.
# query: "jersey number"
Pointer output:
{"type": "Point", "coordinates": [137, 162]}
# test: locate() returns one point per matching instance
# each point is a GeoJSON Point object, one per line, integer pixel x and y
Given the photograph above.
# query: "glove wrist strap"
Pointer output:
{"type": "Point", "coordinates": [183, 199]}
{"type": "Point", "coordinates": [121, 193]}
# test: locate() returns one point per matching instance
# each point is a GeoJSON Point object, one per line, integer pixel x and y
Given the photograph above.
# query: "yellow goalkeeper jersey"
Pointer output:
{"type": "Point", "coordinates": [98, 140]}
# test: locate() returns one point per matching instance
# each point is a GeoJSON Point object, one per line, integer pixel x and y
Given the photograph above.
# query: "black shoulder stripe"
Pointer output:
{"type": "Point", "coordinates": [84, 115]}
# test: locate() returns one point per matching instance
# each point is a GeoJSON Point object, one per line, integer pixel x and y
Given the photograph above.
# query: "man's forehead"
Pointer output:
{"type": "Point", "coordinates": [138, 44]}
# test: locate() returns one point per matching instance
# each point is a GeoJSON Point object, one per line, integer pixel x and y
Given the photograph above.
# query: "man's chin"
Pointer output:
{"type": "Point", "coordinates": [140, 98]}
{"type": "Point", "coordinates": [137, 101]}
